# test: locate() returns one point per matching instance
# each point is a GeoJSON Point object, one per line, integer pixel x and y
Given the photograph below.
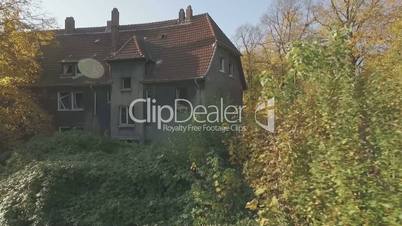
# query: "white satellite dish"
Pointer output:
{"type": "Point", "coordinates": [91, 68]}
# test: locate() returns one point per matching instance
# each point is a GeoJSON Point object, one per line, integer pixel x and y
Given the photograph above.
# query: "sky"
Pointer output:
{"type": "Point", "coordinates": [228, 14]}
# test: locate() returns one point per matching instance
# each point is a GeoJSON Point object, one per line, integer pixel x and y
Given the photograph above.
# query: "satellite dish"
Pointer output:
{"type": "Point", "coordinates": [91, 68]}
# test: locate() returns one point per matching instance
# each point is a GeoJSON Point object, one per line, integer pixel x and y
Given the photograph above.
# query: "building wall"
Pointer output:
{"type": "Point", "coordinates": [104, 120]}
{"type": "Point", "coordinates": [88, 119]}
{"type": "Point", "coordinates": [135, 70]}
{"type": "Point", "coordinates": [219, 84]}
{"type": "Point", "coordinates": [165, 94]}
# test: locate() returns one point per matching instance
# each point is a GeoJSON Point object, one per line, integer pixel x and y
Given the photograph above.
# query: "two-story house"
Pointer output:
{"type": "Point", "coordinates": [187, 57]}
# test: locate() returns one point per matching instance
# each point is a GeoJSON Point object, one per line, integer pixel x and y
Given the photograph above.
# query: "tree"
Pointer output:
{"type": "Point", "coordinates": [313, 169]}
{"type": "Point", "coordinates": [266, 44]}
{"type": "Point", "coordinates": [366, 20]}
{"type": "Point", "coordinates": [21, 38]}
{"type": "Point", "coordinates": [248, 39]}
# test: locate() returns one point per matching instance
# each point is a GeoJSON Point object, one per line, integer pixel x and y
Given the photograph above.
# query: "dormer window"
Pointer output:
{"type": "Point", "coordinates": [222, 64]}
{"type": "Point", "coordinates": [70, 70]}
{"type": "Point", "coordinates": [163, 36]}
{"type": "Point", "coordinates": [77, 70]}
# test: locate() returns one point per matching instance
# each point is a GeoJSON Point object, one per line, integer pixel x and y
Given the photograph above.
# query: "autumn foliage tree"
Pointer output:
{"type": "Point", "coordinates": [21, 36]}
{"type": "Point", "coordinates": [335, 156]}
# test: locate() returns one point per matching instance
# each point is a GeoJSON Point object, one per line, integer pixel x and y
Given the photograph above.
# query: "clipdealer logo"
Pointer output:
{"type": "Point", "coordinates": [267, 112]}
{"type": "Point", "coordinates": [171, 118]}
{"type": "Point", "coordinates": [165, 114]}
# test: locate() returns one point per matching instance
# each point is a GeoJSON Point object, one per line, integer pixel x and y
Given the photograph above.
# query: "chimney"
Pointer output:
{"type": "Point", "coordinates": [69, 24]}
{"type": "Point", "coordinates": [115, 29]}
{"type": "Point", "coordinates": [182, 16]}
{"type": "Point", "coordinates": [108, 26]}
{"type": "Point", "coordinates": [189, 13]}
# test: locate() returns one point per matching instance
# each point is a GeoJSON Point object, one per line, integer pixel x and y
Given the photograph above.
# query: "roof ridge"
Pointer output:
{"type": "Point", "coordinates": [210, 26]}
{"type": "Point", "coordinates": [138, 46]}
{"type": "Point", "coordinates": [103, 28]}
{"type": "Point", "coordinates": [221, 38]}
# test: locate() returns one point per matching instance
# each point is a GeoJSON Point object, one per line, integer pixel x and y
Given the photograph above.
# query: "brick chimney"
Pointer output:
{"type": "Point", "coordinates": [69, 24]}
{"type": "Point", "coordinates": [108, 26]}
{"type": "Point", "coordinates": [182, 16]}
{"type": "Point", "coordinates": [189, 13]}
{"type": "Point", "coordinates": [115, 29]}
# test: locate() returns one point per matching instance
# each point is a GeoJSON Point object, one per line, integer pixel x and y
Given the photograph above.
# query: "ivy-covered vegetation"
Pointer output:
{"type": "Point", "coordinates": [79, 179]}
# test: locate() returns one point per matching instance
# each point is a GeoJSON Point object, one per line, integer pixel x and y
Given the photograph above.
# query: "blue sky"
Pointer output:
{"type": "Point", "coordinates": [229, 14]}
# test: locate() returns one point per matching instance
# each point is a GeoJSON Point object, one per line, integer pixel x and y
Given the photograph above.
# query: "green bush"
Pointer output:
{"type": "Point", "coordinates": [80, 179]}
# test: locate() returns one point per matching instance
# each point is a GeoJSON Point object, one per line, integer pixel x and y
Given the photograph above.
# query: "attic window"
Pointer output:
{"type": "Point", "coordinates": [70, 69]}
{"type": "Point", "coordinates": [222, 64]}
{"type": "Point", "coordinates": [230, 69]}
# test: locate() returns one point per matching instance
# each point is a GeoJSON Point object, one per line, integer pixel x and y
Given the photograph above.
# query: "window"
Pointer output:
{"type": "Point", "coordinates": [70, 70]}
{"type": "Point", "coordinates": [77, 101]}
{"type": "Point", "coordinates": [181, 93]}
{"type": "Point", "coordinates": [70, 101]}
{"type": "Point", "coordinates": [222, 64]}
{"type": "Point", "coordinates": [64, 101]}
{"type": "Point", "coordinates": [163, 36]}
{"type": "Point", "coordinates": [77, 70]}
{"type": "Point", "coordinates": [230, 69]}
{"type": "Point", "coordinates": [125, 84]}
{"type": "Point", "coordinates": [125, 119]}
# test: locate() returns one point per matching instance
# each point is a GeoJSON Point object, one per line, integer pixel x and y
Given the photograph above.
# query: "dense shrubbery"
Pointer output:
{"type": "Point", "coordinates": [79, 179]}
{"type": "Point", "coordinates": [335, 156]}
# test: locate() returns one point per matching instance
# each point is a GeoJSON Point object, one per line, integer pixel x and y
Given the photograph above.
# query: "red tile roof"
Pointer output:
{"type": "Point", "coordinates": [179, 51]}
{"type": "Point", "coordinates": [130, 50]}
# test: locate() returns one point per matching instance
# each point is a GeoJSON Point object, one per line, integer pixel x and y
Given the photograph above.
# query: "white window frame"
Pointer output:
{"type": "Point", "coordinates": [222, 66]}
{"type": "Point", "coordinates": [72, 101]}
{"type": "Point", "coordinates": [75, 70]}
{"type": "Point", "coordinates": [125, 124]}
{"type": "Point", "coordinates": [64, 72]}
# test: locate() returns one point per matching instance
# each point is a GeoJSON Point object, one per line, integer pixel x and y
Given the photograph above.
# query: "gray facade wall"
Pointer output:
{"type": "Point", "coordinates": [105, 119]}
{"type": "Point", "coordinates": [89, 119]}
{"type": "Point", "coordinates": [219, 84]}
{"type": "Point", "coordinates": [165, 94]}
{"type": "Point", "coordinates": [136, 71]}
